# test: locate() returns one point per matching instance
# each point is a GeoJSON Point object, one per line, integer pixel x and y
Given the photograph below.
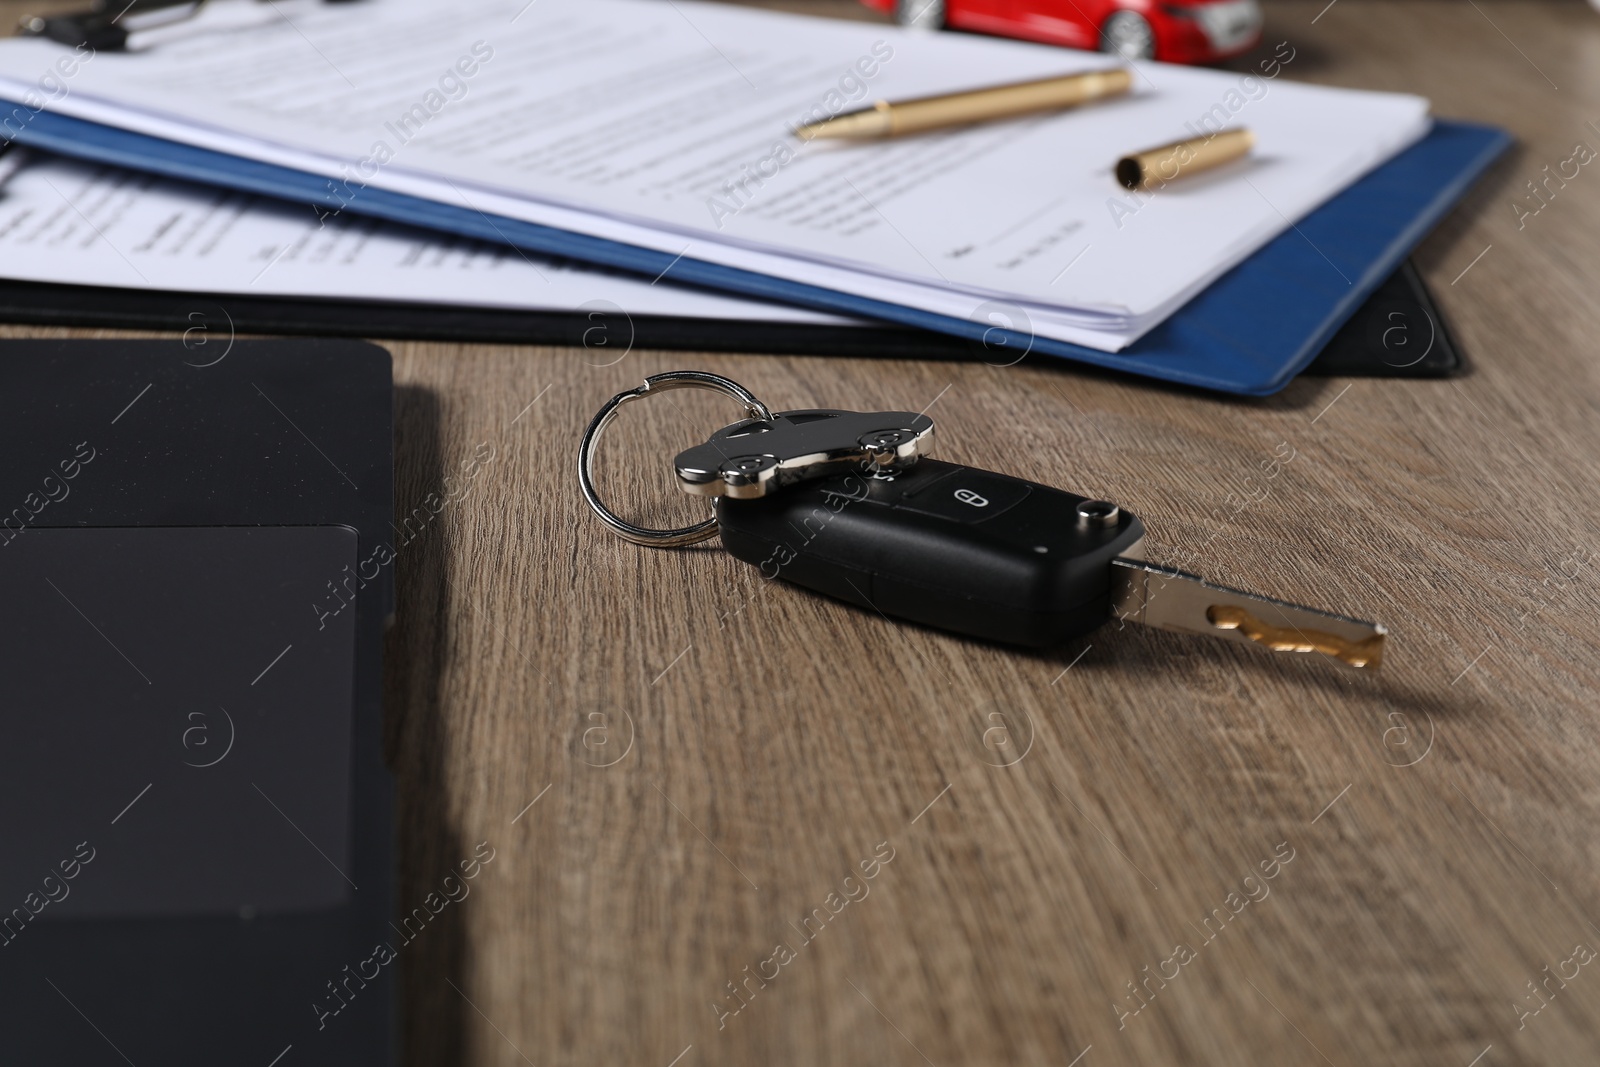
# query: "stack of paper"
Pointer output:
{"type": "Point", "coordinates": [75, 223]}
{"type": "Point", "coordinates": [666, 127]}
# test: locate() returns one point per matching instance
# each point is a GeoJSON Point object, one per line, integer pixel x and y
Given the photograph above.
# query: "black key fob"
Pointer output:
{"type": "Point", "coordinates": [955, 547]}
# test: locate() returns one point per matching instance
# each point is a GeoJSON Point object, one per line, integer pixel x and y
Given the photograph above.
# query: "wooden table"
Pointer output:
{"type": "Point", "coordinates": [683, 767]}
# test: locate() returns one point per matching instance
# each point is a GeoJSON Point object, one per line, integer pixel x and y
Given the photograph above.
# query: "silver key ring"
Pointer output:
{"type": "Point", "coordinates": [657, 383]}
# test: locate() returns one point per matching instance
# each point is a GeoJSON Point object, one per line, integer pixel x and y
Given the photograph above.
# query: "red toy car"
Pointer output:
{"type": "Point", "coordinates": [1173, 31]}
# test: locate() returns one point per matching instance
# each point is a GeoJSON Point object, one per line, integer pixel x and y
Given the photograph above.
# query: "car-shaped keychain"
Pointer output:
{"type": "Point", "coordinates": [1172, 31]}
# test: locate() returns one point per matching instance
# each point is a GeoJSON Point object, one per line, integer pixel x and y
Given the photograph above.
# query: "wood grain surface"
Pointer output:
{"type": "Point", "coordinates": [688, 772]}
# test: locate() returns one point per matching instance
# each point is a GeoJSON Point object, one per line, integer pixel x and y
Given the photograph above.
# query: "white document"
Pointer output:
{"type": "Point", "coordinates": [668, 125]}
{"type": "Point", "coordinates": [76, 223]}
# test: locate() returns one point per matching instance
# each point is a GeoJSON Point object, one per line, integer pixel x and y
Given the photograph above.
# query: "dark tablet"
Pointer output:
{"type": "Point", "coordinates": [194, 812]}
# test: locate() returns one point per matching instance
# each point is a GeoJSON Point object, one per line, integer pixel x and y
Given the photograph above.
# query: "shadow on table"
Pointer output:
{"type": "Point", "coordinates": [430, 1012]}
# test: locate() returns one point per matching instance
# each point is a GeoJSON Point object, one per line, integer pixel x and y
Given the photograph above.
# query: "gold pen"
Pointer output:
{"type": "Point", "coordinates": [886, 119]}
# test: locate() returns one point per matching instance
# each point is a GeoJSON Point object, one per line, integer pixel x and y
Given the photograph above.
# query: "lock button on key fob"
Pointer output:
{"type": "Point", "coordinates": [965, 494]}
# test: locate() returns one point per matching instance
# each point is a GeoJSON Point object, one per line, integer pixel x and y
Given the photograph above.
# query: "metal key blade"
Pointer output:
{"type": "Point", "coordinates": [1174, 600]}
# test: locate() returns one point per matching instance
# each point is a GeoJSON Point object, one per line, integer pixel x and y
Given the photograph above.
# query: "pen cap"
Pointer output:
{"type": "Point", "coordinates": [1154, 167]}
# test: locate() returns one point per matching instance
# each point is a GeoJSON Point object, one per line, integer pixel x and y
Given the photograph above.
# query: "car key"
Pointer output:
{"type": "Point", "coordinates": [999, 558]}
{"type": "Point", "coordinates": [846, 504]}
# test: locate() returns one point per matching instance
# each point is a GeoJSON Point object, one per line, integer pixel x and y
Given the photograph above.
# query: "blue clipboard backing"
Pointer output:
{"type": "Point", "coordinates": [1397, 333]}
{"type": "Point", "coordinates": [1313, 276]}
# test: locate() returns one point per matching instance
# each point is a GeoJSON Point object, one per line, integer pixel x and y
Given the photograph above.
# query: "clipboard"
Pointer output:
{"type": "Point", "coordinates": [1315, 276]}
